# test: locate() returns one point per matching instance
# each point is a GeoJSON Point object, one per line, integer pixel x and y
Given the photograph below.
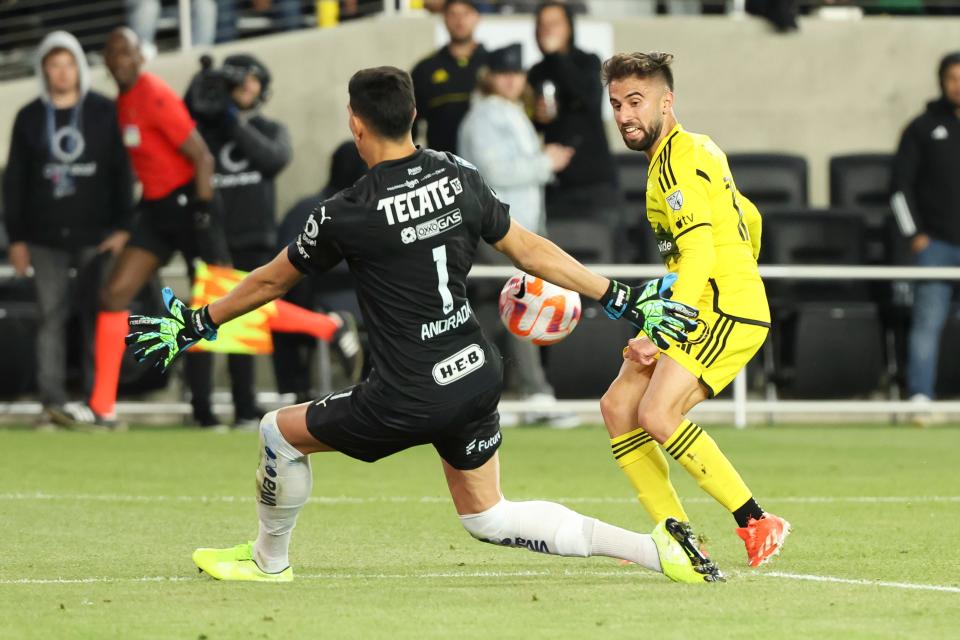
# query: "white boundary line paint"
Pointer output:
{"type": "Point", "coordinates": [626, 573]}
{"type": "Point", "coordinates": [861, 582]}
{"type": "Point", "coordinates": [348, 500]}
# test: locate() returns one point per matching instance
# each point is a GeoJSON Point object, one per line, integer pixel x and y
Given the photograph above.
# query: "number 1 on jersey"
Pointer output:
{"type": "Point", "coordinates": [443, 278]}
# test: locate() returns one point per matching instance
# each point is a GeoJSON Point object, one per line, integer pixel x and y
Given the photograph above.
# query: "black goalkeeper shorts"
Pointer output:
{"type": "Point", "coordinates": [166, 226]}
{"type": "Point", "coordinates": [351, 421]}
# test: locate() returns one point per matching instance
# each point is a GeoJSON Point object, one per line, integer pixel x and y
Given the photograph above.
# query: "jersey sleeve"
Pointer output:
{"type": "Point", "coordinates": [688, 209]}
{"type": "Point", "coordinates": [751, 217]}
{"type": "Point", "coordinates": [495, 214]}
{"type": "Point", "coordinates": [314, 250]}
{"type": "Point", "coordinates": [173, 120]}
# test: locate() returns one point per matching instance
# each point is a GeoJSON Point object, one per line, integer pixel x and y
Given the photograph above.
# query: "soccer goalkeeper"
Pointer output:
{"type": "Point", "coordinates": [441, 390]}
{"type": "Point", "coordinates": [709, 235]}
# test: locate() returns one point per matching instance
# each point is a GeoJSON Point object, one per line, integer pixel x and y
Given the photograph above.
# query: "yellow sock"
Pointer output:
{"type": "Point", "coordinates": [696, 452]}
{"type": "Point", "coordinates": [646, 467]}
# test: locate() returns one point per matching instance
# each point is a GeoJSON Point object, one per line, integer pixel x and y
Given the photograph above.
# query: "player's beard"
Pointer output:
{"type": "Point", "coordinates": [650, 134]}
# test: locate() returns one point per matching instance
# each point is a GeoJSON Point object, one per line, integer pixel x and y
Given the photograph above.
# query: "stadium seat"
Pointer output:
{"type": "Point", "coordinates": [814, 237]}
{"type": "Point", "coordinates": [586, 362]}
{"type": "Point", "coordinates": [772, 181]}
{"type": "Point", "coordinates": [948, 371]}
{"type": "Point", "coordinates": [18, 337]}
{"type": "Point", "coordinates": [632, 175]}
{"type": "Point", "coordinates": [829, 350]}
{"type": "Point", "coordinates": [588, 241]}
{"type": "Point", "coordinates": [635, 241]}
{"type": "Point", "coordinates": [4, 240]}
{"type": "Point", "coordinates": [861, 181]}
{"type": "Point", "coordinates": [842, 309]}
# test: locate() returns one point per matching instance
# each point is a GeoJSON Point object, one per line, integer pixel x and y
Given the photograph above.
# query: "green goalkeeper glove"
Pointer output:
{"type": "Point", "coordinates": [649, 309]}
{"type": "Point", "coordinates": [158, 341]}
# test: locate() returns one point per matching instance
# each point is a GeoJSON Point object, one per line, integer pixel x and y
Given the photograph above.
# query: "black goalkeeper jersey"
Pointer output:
{"type": "Point", "coordinates": [409, 230]}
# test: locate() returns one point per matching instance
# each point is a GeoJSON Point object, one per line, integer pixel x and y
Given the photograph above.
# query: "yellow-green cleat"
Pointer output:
{"type": "Point", "coordinates": [680, 558]}
{"type": "Point", "coordinates": [236, 563]}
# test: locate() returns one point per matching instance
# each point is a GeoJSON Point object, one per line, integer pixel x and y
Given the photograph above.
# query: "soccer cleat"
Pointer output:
{"type": "Point", "coordinates": [763, 538]}
{"type": "Point", "coordinates": [80, 417]}
{"type": "Point", "coordinates": [680, 557]}
{"type": "Point", "coordinates": [236, 563]}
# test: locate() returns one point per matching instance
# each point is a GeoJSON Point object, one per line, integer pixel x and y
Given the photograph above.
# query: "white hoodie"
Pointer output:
{"type": "Point", "coordinates": [61, 40]}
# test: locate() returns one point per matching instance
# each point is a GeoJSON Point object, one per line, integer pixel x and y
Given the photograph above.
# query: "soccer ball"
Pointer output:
{"type": "Point", "coordinates": [536, 311]}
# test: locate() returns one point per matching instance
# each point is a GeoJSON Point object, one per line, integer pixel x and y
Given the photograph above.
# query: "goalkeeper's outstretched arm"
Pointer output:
{"type": "Point", "coordinates": [159, 341]}
{"type": "Point", "coordinates": [262, 285]}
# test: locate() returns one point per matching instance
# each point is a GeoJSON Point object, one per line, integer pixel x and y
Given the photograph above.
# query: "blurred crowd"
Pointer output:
{"type": "Point", "coordinates": [24, 22]}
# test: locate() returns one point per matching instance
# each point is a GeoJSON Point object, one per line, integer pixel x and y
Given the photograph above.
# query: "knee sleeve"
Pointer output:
{"type": "Point", "coordinates": [284, 478]}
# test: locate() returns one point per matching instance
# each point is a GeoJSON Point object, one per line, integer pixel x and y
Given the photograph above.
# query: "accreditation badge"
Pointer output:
{"type": "Point", "coordinates": [131, 136]}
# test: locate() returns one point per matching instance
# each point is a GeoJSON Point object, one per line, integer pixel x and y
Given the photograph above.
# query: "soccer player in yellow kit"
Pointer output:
{"type": "Point", "coordinates": [709, 235]}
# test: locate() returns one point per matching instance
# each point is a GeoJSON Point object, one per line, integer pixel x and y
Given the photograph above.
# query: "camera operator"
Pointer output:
{"type": "Point", "coordinates": [250, 150]}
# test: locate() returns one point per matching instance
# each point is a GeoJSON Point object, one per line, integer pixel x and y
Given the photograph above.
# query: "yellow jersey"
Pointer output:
{"type": "Point", "coordinates": [706, 231]}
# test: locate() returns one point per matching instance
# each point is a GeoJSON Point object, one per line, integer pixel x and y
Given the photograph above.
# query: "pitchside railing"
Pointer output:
{"type": "Point", "coordinates": [740, 409]}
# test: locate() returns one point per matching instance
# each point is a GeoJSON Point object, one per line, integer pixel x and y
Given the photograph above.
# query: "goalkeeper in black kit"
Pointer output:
{"type": "Point", "coordinates": [426, 387]}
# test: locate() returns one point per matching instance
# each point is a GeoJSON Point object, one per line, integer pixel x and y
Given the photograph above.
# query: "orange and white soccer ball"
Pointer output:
{"type": "Point", "coordinates": [537, 311]}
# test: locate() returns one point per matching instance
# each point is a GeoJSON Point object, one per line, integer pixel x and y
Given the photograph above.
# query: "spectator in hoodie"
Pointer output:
{"type": "Point", "coordinates": [926, 202]}
{"type": "Point", "coordinates": [68, 201]}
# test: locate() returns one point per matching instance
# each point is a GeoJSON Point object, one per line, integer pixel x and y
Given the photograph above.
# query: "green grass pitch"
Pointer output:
{"type": "Point", "coordinates": [96, 533]}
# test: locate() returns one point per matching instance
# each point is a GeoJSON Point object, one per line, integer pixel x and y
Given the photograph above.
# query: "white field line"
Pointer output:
{"type": "Point", "coordinates": [348, 500]}
{"type": "Point", "coordinates": [861, 582]}
{"type": "Point", "coordinates": [626, 573]}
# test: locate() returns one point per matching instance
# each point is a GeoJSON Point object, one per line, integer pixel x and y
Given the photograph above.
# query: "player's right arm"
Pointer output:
{"type": "Point", "coordinates": [262, 285]}
{"type": "Point", "coordinates": [159, 341]}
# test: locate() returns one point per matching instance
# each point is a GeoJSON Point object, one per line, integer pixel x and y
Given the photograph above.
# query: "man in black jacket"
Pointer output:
{"type": "Point", "coordinates": [569, 111]}
{"type": "Point", "coordinates": [250, 150]}
{"type": "Point", "coordinates": [444, 82]}
{"type": "Point", "coordinates": [67, 195]}
{"type": "Point", "coordinates": [926, 201]}
{"type": "Point", "coordinates": [294, 354]}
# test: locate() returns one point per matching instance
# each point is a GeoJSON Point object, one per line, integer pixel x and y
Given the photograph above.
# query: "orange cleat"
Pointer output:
{"type": "Point", "coordinates": [764, 538]}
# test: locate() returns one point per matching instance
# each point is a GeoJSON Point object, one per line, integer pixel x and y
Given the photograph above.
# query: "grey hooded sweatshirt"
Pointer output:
{"type": "Point", "coordinates": [67, 181]}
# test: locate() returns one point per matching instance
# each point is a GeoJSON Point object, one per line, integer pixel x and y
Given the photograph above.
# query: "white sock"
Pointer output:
{"type": "Point", "coordinates": [548, 527]}
{"type": "Point", "coordinates": [284, 481]}
{"type": "Point", "coordinates": [614, 542]}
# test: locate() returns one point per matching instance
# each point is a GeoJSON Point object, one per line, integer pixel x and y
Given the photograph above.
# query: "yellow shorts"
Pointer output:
{"type": "Point", "coordinates": [723, 343]}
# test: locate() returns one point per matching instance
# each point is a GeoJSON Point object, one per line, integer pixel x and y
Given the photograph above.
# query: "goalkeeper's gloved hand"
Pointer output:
{"type": "Point", "coordinates": [158, 341]}
{"type": "Point", "coordinates": [648, 308]}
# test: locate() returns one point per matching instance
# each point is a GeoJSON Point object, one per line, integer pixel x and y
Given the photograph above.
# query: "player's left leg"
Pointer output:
{"type": "Point", "coordinates": [637, 454]}
{"type": "Point", "coordinates": [548, 527]}
{"type": "Point", "coordinates": [673, 391]}
{"type": "Point", "coordinates": [284, 482]}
